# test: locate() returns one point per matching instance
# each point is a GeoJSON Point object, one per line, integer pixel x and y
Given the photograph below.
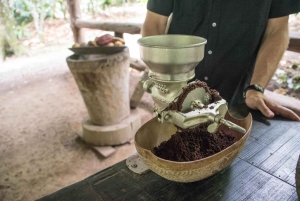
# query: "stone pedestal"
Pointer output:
{"type": "Point", "coordinates": [103, 81]}
{"type": "Point", "coordinates": [113, 134]}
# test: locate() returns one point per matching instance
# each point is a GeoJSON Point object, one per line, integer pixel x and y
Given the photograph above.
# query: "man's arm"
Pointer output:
{"type": "Point", "coordinates": [154, 24]}
{"type": "Point", "coordinates": [275, 42]}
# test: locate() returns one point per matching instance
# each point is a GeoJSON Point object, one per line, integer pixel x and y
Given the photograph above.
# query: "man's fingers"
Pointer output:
{"type": "Point", "coordinates": [285, 112]}
{"type": "Point", "coordinates": [256, 100]}
{"type": "Point", "coordinates": [265, 109]}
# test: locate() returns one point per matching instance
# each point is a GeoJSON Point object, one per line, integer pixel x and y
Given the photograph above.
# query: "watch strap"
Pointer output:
{"type": "Point", "coordinates": [253, 87]}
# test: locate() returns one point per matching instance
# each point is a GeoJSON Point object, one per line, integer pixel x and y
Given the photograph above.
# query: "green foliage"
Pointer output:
{"type": "Point", "coordinates": [296, 81]}
{"type": "Point", "coordinates": [21, 31]}
{"type": "Point", "coordinates": [9, 42]}
{"type": "Point", "coordinates": [22, 13]}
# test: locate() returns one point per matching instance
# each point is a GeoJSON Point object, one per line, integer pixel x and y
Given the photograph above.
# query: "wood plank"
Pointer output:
{"type": "Point", "coordinates": [273, 189]}
{"type": "Point", "coordinates": [251, 150]}
{"type": "Point", "coordinates": [138, 91]}
{"type": "Point", "coordinates": [115, 184]}
{"type": "Point", "coordinates": [287, 170]}
{"type": "Point", "coordinates": [250, 182]}
{"type": "Point", "coordinates": [257, 125]}
{"type": "Point", "coordinates": [282, 163]}
{"type": "Point", "coordinates": [77, 191]}
{"type": "Point", "coordinates": [120, 27]}
{"type": "Point", "coordinates": [227, 182]}
{"type": "Point", "coordinates": [294, 44]}
{"type": "Point", "coordinates": [262, 129]}
{"type": "Point", "coordinates": [282, 139]}
{"type": "Point", "coordinates": [104, 151]}
{"type": "Point", "coordinates": [273, 133]}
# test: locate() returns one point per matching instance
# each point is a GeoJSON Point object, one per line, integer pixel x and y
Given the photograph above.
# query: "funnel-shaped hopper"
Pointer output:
{"type": "Point", "coordinates": [153, 133]}
{"type": "Point", "coordinates": [172, 57]}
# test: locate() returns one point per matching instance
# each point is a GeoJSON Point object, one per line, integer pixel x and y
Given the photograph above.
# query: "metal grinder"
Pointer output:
{"type": "Point", "coordinates": [172, 60]}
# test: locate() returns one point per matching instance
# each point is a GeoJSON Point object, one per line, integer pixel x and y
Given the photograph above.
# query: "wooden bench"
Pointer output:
{"type": "Point", "coordinates": [294, 41]}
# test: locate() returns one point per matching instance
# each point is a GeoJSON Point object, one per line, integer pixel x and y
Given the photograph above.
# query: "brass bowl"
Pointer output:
{"type": "Point", "coordinates": [153, 133]}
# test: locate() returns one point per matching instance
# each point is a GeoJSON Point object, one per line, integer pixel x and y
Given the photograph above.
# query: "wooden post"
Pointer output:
{"type": "Point", "coordinates": [119, 34]}
{"type": "Point", "coordinates": [75, 13]}
{"type": "Point", "coordinates": [138, 92]}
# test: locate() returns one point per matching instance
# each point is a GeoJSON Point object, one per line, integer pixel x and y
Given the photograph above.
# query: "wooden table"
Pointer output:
{"type": "Point", "coordinates": [265, 170]}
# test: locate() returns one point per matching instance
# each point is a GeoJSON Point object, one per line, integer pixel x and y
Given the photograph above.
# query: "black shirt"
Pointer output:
{"type": "Point", "coordinates": [233, 29]}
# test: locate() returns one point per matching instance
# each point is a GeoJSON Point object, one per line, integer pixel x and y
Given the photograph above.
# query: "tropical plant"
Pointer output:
{"type": "Point", "coordinates": [8, 41]}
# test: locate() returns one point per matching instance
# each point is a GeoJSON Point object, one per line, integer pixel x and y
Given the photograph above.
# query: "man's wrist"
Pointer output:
{"type": "Point", "coordinates": [255, 87]}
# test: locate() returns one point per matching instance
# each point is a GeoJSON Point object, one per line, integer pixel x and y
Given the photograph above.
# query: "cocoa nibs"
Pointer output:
{"type": "Point", "coordinates": [193, 144]}
{"type": "Point", "coordinates": [196, 143]}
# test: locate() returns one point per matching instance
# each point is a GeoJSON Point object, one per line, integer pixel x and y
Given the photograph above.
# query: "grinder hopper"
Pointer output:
{"type": "Point", "coordinates": [172, 57]}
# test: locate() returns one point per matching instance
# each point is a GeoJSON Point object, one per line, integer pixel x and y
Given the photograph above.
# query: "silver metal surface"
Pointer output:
{"type": "Point", "coordinates": [213, 114]}
{"type": "Point", "coordinates": [163, 93]}
{"type": "Point", "coordinates": [135, 164]}
{"type": "Point", "coordinates": [233, 126]}
{"type": "Point", "coordinates": [195, 99]}
{"type": "Point", "coordinates": [198, 116]}
{"type": "Point", "coordinates": [175, 55]}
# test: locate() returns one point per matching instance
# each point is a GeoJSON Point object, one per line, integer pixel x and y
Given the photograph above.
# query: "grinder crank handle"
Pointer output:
{"type": "Point", "coordinates": [214, 126]}
{"type": "Point", "coordinates": [219, 119]}
{"type": "Point", "coordinates": [233, 126]}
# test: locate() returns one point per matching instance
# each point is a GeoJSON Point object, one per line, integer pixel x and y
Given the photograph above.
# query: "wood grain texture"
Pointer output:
{"type": "Point", "coordinates": [273, 150]}
{"type": "Point", "coordinates": [294, 44]}
{"type": "Point", "coordinates": [75, 13]}
{"type": "Point", "coordinates": [119, 27]}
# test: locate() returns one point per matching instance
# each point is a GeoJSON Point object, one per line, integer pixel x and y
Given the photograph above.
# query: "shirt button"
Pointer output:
{"type": "Point", "coordinates": [205, 78]}
{"type": "Point", "coordinates": [214, 24]}
{"type": "Point", "coordinates": [209, 52]}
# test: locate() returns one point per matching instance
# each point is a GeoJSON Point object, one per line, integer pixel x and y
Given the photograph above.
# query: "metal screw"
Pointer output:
{"type": "Point", "coordinates": [134, 165]}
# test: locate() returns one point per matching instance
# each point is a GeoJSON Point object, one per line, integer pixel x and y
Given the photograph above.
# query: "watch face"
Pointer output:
{"type": "Point", "coordinates": [258, 88]}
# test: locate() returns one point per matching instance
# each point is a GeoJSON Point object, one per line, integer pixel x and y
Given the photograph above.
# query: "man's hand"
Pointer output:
{"type": "Point", "coordinates": [258, 101]}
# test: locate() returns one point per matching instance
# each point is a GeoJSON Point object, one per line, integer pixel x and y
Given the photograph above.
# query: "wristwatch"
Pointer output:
{"type": "Point", "coordinates": [254, 87]}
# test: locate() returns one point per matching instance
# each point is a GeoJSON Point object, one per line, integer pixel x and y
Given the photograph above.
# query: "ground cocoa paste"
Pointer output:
{"type": "Point", "coordinates": [197, 143]}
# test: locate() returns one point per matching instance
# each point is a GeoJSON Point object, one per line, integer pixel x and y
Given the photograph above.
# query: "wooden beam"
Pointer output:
{"type": "Point", "coordinates": [119, 27]}
{"type": "Point", "coordinates": [294, 42]}
{"type": "Point", "coordinates": [75, 13]}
